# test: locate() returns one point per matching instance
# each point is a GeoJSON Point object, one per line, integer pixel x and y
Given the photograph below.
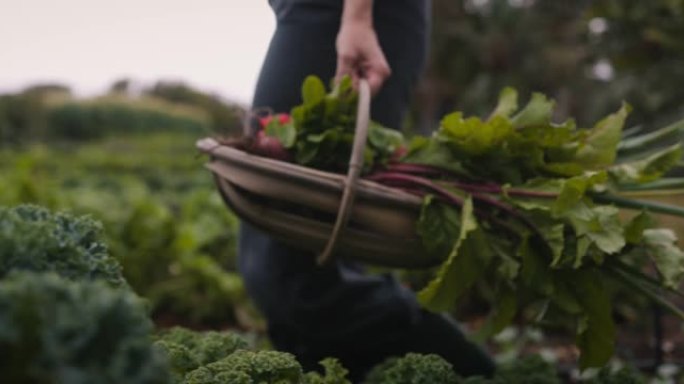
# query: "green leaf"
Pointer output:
{"type": "Point", "coordinates": [573, 190]}
{"type": "Point", "coordinates": [343, 86]}
{"type": "Point", "coordinates": [431, 152]}
{"type": "Point", "coordinates": [634, 230]}
{"type": "Point", "coordinates": [438, 226]}
{"type": "Point", "coordinates": [472, 136]}
{"type": "Point", "coordinates": [286, 133]}
{"type": "Point", "coordinates": [600, 147]}
{"type": "Point", "coordinates": [668, 257]}
{"type": "Point", "coordinates": [536, 112]}
{"type": "Point", "coordinates": [306, 152]}
{"type": "Point", "coordinates": [535, 271]}
{"type": "Point", "coordinates": [501, 316]}
{"type": "Point", "coordinates": [552, 233]}
{"type": "Point", "coordinates": [466, 263]}
{"type": "Point", "coordinates": [384, 139]}
{"type": "Point", "coordinates": [555, 239]}
{"type": "Point", "coordinates": [313, 90]}
{"type": "Point", "coordinates": [601, 224]}
{"type": "Point", "coordinates": [649, 168]}
{"type": "Point", "coordinates": [596, 331]}
{"type": "Point", "coordinates": [508, 103]}
{"type": "Point", "coordinates": [563, 295]}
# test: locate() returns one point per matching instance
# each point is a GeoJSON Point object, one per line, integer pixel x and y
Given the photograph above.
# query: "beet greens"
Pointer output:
{"type": "Point", "coordinates": [526, 204]}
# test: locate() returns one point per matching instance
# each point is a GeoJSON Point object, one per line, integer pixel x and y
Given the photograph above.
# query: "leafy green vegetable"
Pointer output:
{"type": "Point", "coordinates": [187, 350]}
{"type": "Point", "coordinates": [335, 373]}
{"type": "Point", "coordinates": [466, 263]}
{"type": "Point", "coordinates": [34, 239]}
{"type": "Point", "coordinates": [413, 368]}
{"type": "Point", "coordinates": [249, 367]}
{"type": "Point", "coordinates": [324, 125]}
{"type": "Point", "coordinates": [53, 330]}
{"type": "Point", "coordinates": [529, 205]}
{"type": "Point", "coordinates": [535, 222]}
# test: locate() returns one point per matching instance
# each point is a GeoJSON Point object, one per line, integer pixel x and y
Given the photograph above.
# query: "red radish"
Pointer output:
{"type": "Point", "coordinates": [269, 146]}
{"type": "Point", "coordinates": [284, 118]}
{"type": "Point", "coordinates": [264, 121]}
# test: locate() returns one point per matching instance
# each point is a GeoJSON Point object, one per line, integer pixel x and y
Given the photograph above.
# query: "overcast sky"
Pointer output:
{"type": "Point", "coordinates": [215, 45]}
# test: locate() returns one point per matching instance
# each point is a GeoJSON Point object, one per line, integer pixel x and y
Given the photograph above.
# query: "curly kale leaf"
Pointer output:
{"type": "Point", "coordinates": [53, 330]}
{"type": "Point", "coordinates": [413, 368]}
{"type": "Point", "coordinates": [187, 350]}
{"type": "Point", "coordinates": [335, 373]}
{"type": "Point", "coordinates": [246, 367]}
{"type": "Point", "coordinates": [34, 239]}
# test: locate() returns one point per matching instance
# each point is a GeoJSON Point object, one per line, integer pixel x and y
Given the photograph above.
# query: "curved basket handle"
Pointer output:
{"type": "Point", "coordinates": [355, 166]}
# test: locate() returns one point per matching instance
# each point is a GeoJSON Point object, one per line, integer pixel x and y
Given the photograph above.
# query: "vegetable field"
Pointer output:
{"type": "Point", "coordinates": [544, 141]}
{"type": "Point", "coordinates": [155, 229]}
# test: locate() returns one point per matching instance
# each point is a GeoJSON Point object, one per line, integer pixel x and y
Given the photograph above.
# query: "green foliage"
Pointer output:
{"type": "Point", "coordinates": [56, 331]}
{"type": "Point", "coordinates": [47, 112]}
{"type": "Point", "coordinates": [466, 263]}
{"type": "Point", "coordinates": [225, 118]}
{"type": "Point", "coordinates": [325, 128]}
{"type": "Point", "coordinates": [161, 216]}
{"type": "Point", "coordinates": [249, 367]}
{"type": "Point", "coordinates": [187, 350]}
{"type": "Point", "coordinates": [527, 370]}
{"type": "Point", "coordinates": [413, 368]}
{"type": "Point", "coordinates": [334, 373]}
{"type": "Point", "coordinates": [620, 376]}
{"type": "Point", "coordinates": [520, 203]}
{"type": "Point", "coordinates": [588, 55]}
{"type": "Point", "coordinates": [107, 116]}
{"type": "Point", "coordinates": [514, 148]}
{"type": "Point", "coordinates": [34, 239]}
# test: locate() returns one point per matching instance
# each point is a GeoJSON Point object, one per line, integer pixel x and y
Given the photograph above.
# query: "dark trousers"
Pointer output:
{"type": "Point", "coordinates": [340, 311]}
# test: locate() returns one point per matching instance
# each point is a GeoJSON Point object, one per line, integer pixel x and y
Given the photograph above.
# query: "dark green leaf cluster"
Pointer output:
{"type": "Point", "coordinates": [621, 376]}
{"type": "Point", "coordinates": [249, 367]}
{"type": "Point", "coordinates": [325, 124]}
{"type": "Point", "coordinates": [520, 202]}
{"type": "Point", "coordinates": [34, 239]}
{"type": "Point", "coordinates": [413, 368]}
{"type": "Point", "coordinates": [187, 350]}
{"type": "Point", "coordinates": [334, 373]}
{"type": "Point", "coordinates": [53, 330]}
{"type": "Point", "coordinates": [528, 370]}
{"type": "Point", "coordinates": [512, 146]}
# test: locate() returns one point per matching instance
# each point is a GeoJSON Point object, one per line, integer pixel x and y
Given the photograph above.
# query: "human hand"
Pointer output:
{"type": "Point", "coordinates": [358, 51]}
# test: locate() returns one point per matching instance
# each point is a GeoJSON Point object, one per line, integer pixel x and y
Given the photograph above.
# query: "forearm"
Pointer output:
{"type": "Point", "coordinates": [358, 50]}
{"type": "Point", "coordinates": [358, 12]}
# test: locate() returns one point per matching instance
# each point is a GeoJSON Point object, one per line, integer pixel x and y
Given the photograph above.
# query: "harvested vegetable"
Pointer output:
{"type": "Point", "coordinates": [529, 205]}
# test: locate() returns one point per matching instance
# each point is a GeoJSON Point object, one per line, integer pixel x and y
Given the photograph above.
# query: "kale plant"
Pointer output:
{"type": "Point", "coordinates": [34, 239]}
{"type": "Point", "coordinates": [249, 367]}
{"type": "Point", "coordinates": [413, 368]}
{"type": "Point", "coordinates": [187, 350]}
{"type": "Point", "coordinates": [53, 330]}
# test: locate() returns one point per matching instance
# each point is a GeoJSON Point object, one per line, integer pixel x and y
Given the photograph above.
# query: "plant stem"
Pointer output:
{"type": "Point", "coordinates": [428, 184]}
{"type": "Point", "coordinates": [651, 206]}
{"type": "Point", "coordinates": [655, 296]}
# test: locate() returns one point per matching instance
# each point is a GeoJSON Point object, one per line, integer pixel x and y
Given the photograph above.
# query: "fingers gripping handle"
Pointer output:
{"type": "Point", "coordinates": [355, 166]}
